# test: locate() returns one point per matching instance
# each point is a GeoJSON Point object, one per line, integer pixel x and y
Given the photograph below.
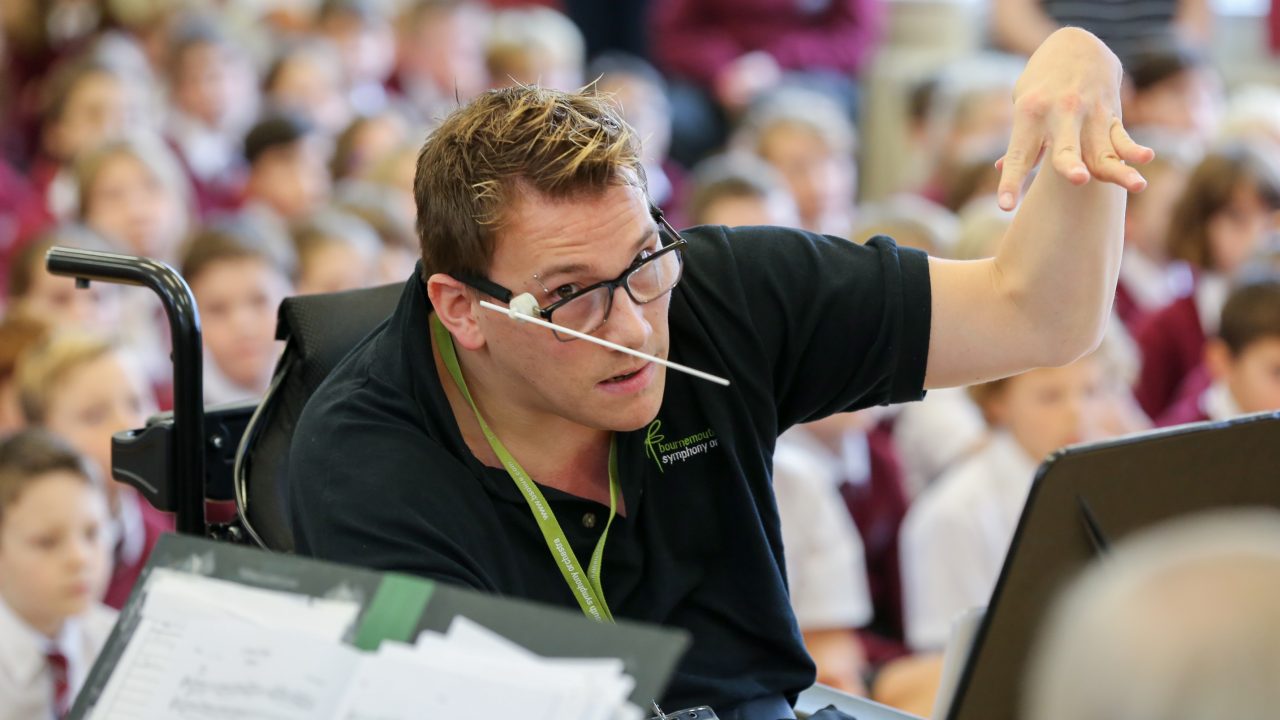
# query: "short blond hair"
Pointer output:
{"type": "Point", "coordinates": [150, 152]}
{"type": "Point", "coordinates": [557, 144]}
{"type": "Point", "coordinates": [45, 367]}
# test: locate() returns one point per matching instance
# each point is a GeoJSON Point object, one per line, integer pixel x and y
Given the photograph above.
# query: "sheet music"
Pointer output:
{"type": "Point", "coordinates": [208, 649]}
{"type": "Point", "coordinates": [202, 670]}
{"type": "Point", "coordinates": [183, 595]}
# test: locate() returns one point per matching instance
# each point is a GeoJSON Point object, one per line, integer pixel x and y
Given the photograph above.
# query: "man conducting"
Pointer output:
{"type": "Point", "coordinates": [459, 444]}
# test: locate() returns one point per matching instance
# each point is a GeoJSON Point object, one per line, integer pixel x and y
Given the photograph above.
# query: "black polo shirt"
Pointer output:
{"type": "Point", "coordinates": [803, 325]}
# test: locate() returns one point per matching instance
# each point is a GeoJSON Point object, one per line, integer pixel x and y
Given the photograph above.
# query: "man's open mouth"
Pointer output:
{"type": "Point", "coordinates": [626, 376]}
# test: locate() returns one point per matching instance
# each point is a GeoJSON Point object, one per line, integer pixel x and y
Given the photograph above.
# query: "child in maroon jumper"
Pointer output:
{"type": "Point", "coordinates": [1149, 280]}
{"type": "Point", "coordinates": [1244, 360]}
{"type": "Point", "coordinates": [1219, 223]}
{"type": "Point", "coordinates": [213, 94]}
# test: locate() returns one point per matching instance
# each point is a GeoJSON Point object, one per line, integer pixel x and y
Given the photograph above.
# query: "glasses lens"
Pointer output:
{"type": "Point", "coordinates": [584, 313]}
{"type": "Point", "coordinates": [655, 278]}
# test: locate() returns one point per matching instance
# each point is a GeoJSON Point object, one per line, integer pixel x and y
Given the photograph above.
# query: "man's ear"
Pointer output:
{"type": "Point", "coordinates": [455, 305]}
{"type": "Point", "coordinates": [1218, 359]}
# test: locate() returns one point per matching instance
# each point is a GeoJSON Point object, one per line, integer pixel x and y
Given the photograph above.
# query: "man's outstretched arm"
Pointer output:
{"type": "Point", "coordinates": [1044, 299]}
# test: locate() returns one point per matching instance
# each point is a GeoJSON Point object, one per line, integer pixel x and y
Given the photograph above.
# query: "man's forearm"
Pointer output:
{"type": "Point", "coordinates": [1058, 263]}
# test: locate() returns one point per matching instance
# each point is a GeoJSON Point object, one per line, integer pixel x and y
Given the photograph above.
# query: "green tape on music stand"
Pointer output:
{"type": "Point", "coordinates": [394, 612]}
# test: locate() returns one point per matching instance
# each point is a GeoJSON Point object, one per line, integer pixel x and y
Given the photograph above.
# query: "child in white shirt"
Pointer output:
{"type": "Point", "coordinates": [53, 568]}
{"type": "Point", "coordinates": [956, 534]}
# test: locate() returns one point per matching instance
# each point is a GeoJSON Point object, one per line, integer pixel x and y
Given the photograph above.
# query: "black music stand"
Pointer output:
{"type": "Point", "coordinates": [1084, 499]}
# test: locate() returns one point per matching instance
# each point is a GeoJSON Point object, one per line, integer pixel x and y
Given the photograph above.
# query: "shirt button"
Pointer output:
{"type": "Point", "coordinates": [589, 520]}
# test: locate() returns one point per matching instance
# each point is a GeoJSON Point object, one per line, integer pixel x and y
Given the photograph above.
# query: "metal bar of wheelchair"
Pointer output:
{"type": "Point", "coordinates": [188, 481]}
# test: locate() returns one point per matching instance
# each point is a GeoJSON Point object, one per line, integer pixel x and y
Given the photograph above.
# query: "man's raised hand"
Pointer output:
{"type": "Point", "coordinates": [1067, 103]}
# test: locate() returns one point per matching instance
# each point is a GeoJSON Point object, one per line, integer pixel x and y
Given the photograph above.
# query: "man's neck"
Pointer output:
{"type": "Point", "coordinates": [553, 450]}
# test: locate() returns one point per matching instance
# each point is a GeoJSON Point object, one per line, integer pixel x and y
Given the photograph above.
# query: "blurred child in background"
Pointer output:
{"type": "Point", "coordinates": [911, 221]}
{"type": "Point", "coordinates": [739, 189]}
{"type": "Point", "coordinates": [133, 191]}
{"type": "Point", "coordinates": [308, 78]}
{"type": "Point", "coordinates": [1222, 220]}
{"type": "Point", "coordinates": [239, 279]}
{"type": "Point", "coordinates": [535, 45]}
{"type": "Point", "coordinates": [1243, 360]}
{"type": "Point", "coordinates": [213, 96]}
{"type": "Point", "coordinates": [957, 532]}
{"type": "Point", "coordinates": [86, 102]}
{"type": "Point", "coordinates": [441, 55]}
{"type": "Point", "coordinates": [809, 141]}
{"type": "Point", "coordinates": [288, 176]}
{"type": "Point", "coordinates": [1172, 90]}
{"type": "Point", "coordinates": [366, 46]}
{"type": "Point", "coordinates": [84, 389]}
{"type": "Point", "coordinates": [382, 210]}
{"type": "Point", "coordinates": [365, 141]}
{"type": "Point", "coordinates": [54, 299]}
{"type": "Point", "coordinates": [53, 563]}
{"type": "Point", "coordinates": [335, 252]}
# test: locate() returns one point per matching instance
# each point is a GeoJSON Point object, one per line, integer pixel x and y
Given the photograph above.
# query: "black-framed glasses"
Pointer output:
{"type": "Point", "coordinates": [645, 280]}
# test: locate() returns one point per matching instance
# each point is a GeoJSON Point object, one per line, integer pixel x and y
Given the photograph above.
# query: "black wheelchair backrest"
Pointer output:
{"type": "Point", "coordinates": [319, 331]}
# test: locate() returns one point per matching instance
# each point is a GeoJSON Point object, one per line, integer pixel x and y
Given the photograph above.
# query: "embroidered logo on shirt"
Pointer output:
{"type": "Point", "coordinates": [669, 453]}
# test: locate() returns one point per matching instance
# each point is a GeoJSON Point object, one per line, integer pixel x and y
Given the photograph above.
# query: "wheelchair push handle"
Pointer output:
{"type": "Point", "coordinates": [188, 361]}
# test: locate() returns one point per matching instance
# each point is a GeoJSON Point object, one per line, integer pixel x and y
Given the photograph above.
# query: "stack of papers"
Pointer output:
{"type": "Point", "coordinates": [208, 649]}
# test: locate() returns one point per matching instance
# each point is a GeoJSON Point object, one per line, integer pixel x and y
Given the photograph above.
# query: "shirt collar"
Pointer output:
{"type": "Point", "coordinates": [133, 531]}
{"type": "Point", "coordinates": [1012, 461]}
{"type": "Point", "coordinates": [852, 464]}
{"type": "Point", "coordinates": [1218, 403]}
{"type": "Point", "coordinates": [1210, 295]}
{"type": "Point", "coordinates": [22, 654]}
{"type": "Point", "coordinates": [1152, 284]}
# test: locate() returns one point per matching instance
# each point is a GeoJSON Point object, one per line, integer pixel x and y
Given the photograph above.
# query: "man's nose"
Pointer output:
{"type": "Point", "coordinates": [627, 324]}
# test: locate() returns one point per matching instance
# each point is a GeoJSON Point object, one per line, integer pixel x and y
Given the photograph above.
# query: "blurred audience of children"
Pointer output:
{"type": "Point", "coordinates": [1243, 360]}
{"type": "Point", "coordinates": [1224, 217]}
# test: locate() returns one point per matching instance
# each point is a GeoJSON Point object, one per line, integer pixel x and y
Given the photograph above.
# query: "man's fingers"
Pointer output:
{"type": "Point", "coordinates": [1066, 148]}
{"type": "Point", "coordinates": [1022, 154]}
{"type": "Point", "coordinates": [1126, 148]}
{"type": "Point", "coordinates": [1105, 161]}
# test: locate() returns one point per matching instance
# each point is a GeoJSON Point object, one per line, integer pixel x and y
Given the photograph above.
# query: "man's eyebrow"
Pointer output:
{"type": "Point", "coordinates": [574, 268]}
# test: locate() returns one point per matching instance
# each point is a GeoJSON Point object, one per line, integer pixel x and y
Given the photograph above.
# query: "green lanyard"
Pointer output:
{"type": "Point", "coordinates": [587, 591]}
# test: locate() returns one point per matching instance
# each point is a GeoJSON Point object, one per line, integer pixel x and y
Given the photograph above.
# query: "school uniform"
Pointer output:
{"type": "Point", "coordinates": [212, 161]}
{"type": "Point", "coordinates": [28, 686]}
{"type": "Point", "coordinates": [1144, 287]}
{"type": "Point", "coordinates": [1172, 343]}
{"type": "Point", "coordinates": [876, 497]}
{"type": "Point", "coordinates": [826, 569]}
{"type": "Point", "coordinates": [139, 527]}
{"type": "Point", "coordinates": [1214, 403]}
{"type": "Point", "coordinates": [933, 435]}
{"type": "Point", "coordinates": [956, 535]}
